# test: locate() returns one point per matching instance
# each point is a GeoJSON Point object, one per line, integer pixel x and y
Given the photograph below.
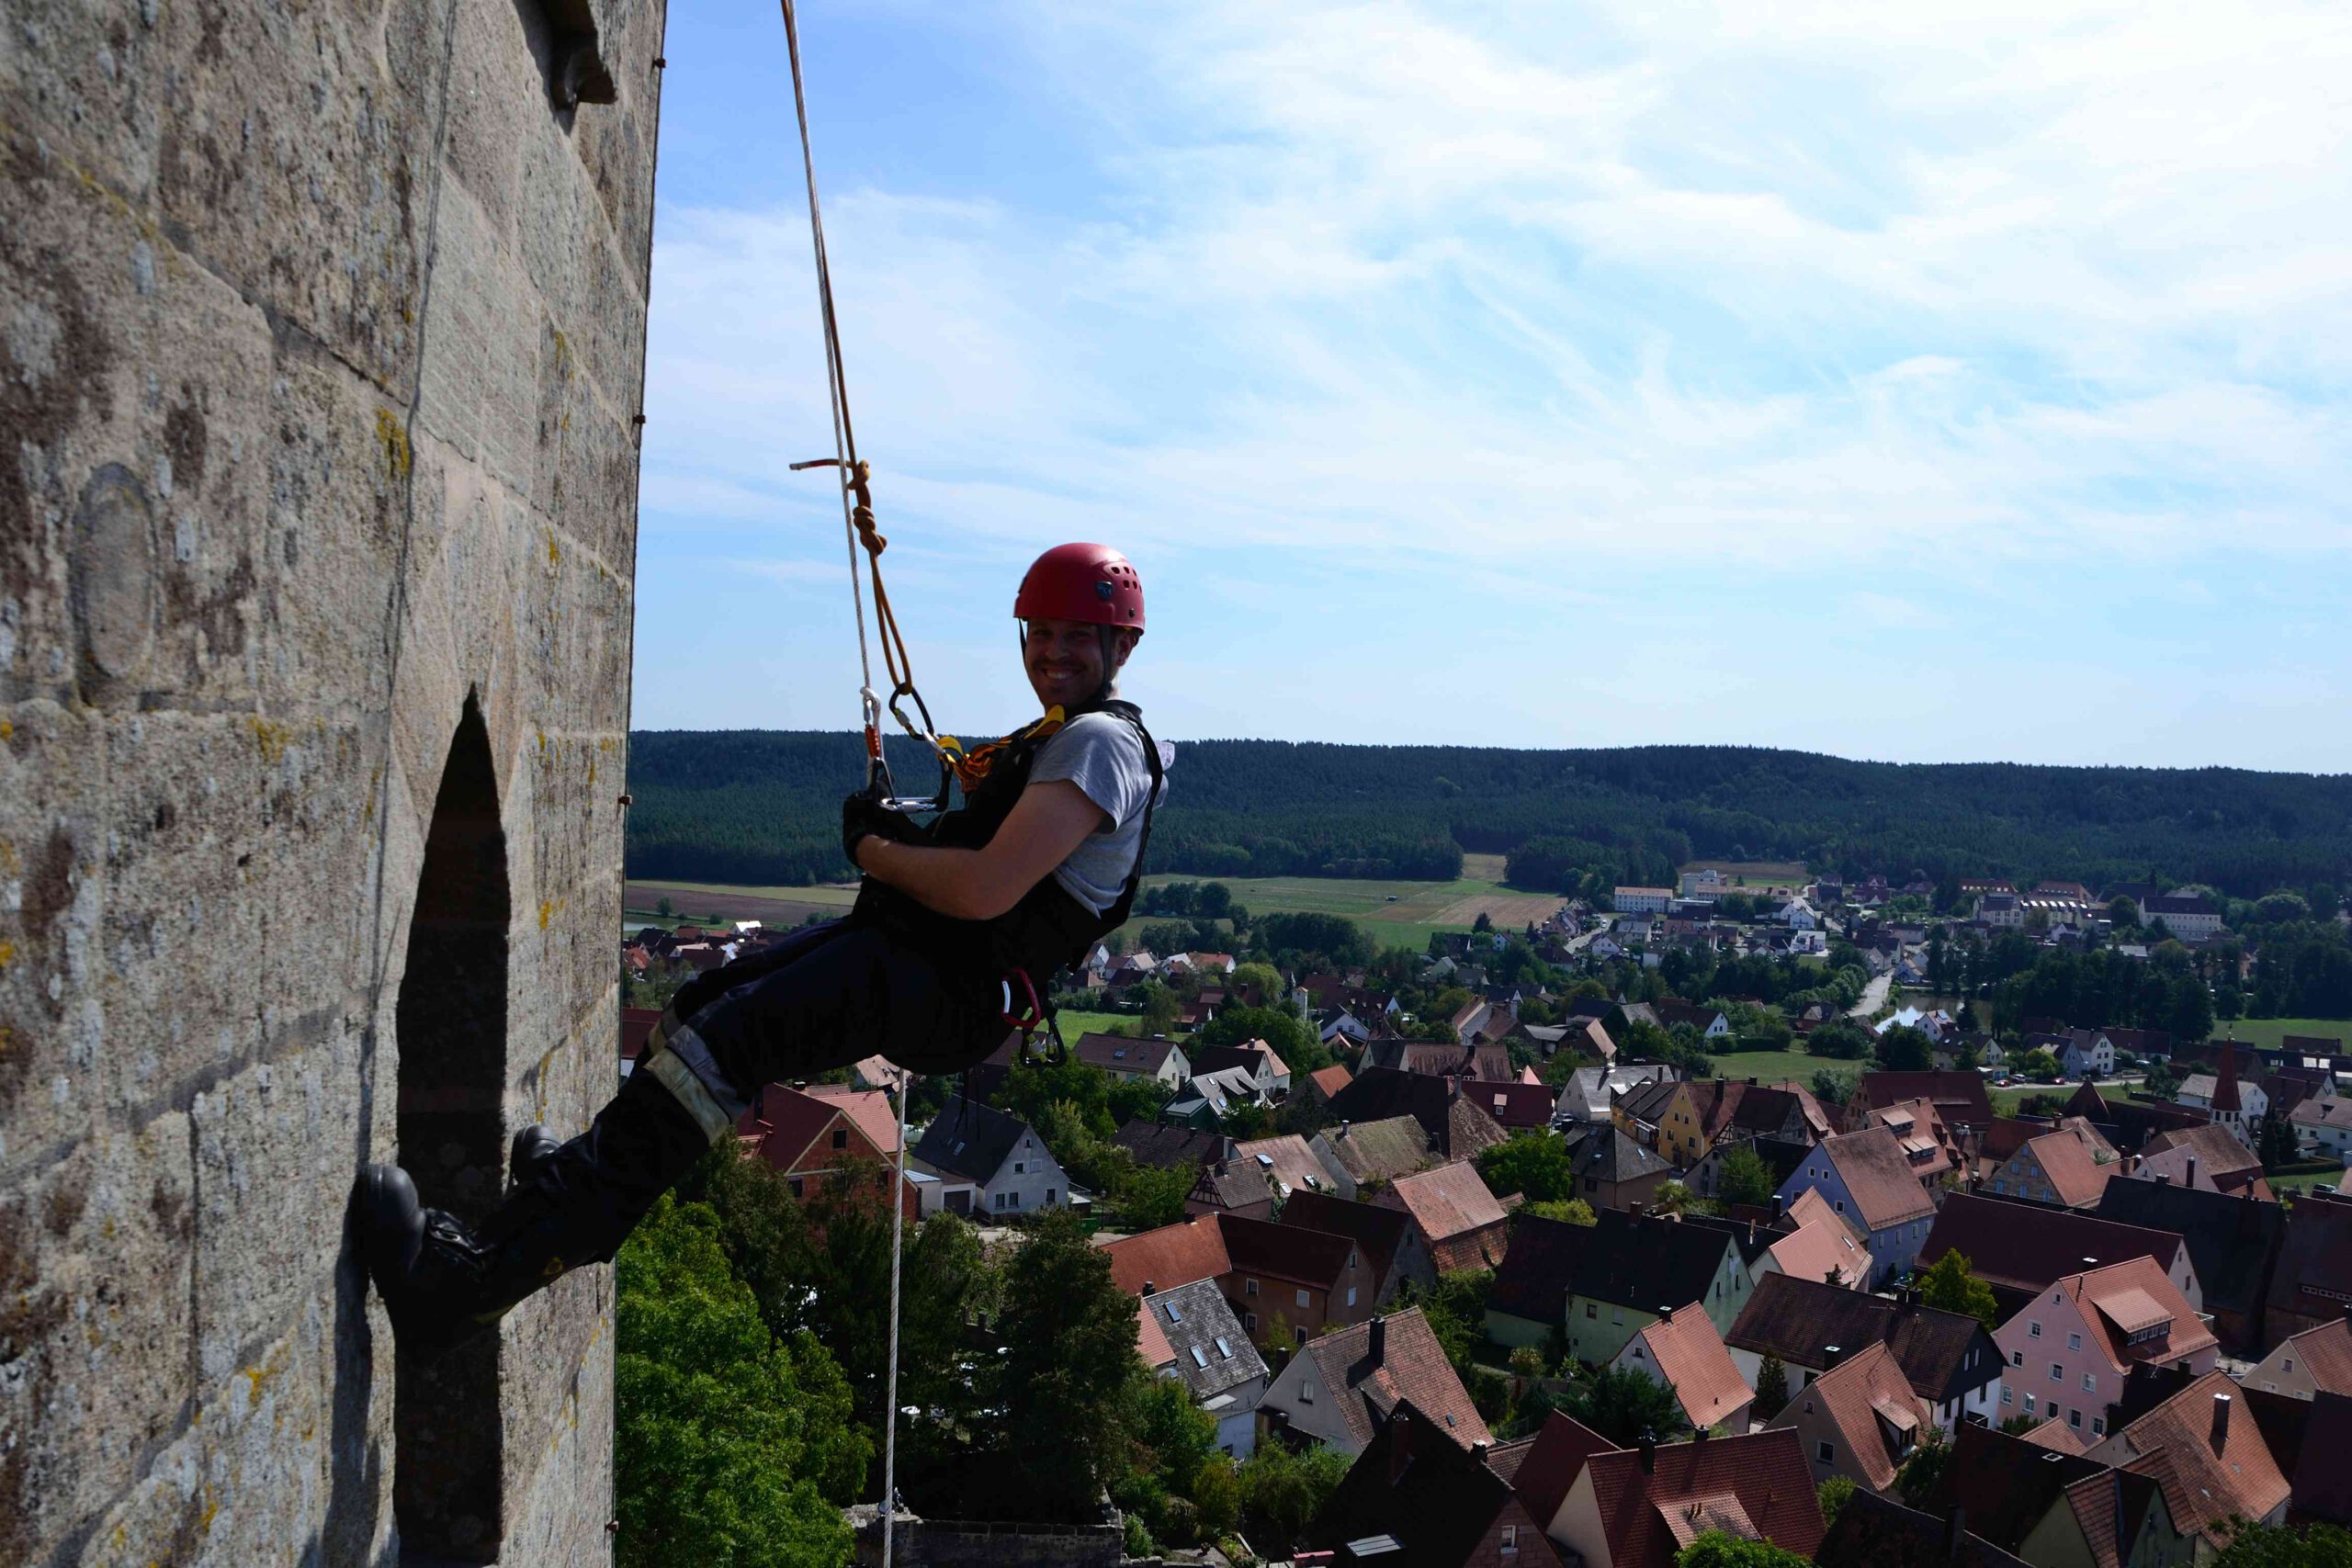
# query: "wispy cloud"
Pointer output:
{"type": "Point", "coordinates": [1659, 308]}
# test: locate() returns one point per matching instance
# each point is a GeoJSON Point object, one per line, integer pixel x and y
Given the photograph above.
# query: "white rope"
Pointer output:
{"type": "Point", "coordinates": [898, 1252]}
{"type": "Point", "coordinates": [836, 383]}
{"type": "Point", "coordinates": [870, 715]}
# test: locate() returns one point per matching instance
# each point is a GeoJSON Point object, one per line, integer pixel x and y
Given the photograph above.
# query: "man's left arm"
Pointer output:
{"type": "Point", "coordinates": [1044, 828]}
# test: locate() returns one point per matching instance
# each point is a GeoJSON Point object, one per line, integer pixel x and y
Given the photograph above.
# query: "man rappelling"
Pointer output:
{"type": "Point", "coordinates": [959, 926]}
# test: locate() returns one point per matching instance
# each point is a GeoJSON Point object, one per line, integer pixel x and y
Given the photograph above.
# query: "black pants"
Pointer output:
{"type": "Point", "coordinates": [828, 996]}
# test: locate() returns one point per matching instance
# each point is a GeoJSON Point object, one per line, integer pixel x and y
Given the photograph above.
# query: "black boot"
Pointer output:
{"type": "Point", "coordinates": [529, 1153]}
{"type": "Point", "coordinates": [443, 1282]}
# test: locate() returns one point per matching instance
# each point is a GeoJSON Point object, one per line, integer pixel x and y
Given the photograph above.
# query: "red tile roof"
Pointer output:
{"type": "Point", "coordinates": [2213, 1462]}
{"type": "Point", "coordinates": [1330, 1080]}
{"type": "Point", "coordinates": [1879, 1178]}
{"type": "Point", "coordinates": [1378, 1233]}
{"type": "Point", "coordinates": [1869, 1400]}
{"type": "Point", "coordinates": [1169, 1257]}
{"type": "Point", "coordinates": [2327, 1351]}
{"type": "Point", "coordinates": [786, 1123]}
{"type": "Point", "coordinates": [1817, 1248]}
{"type": "Point", "coordinates": [2026, 1247]}
{"type": "Point", "coordinates": [2121, 1299]}
{"type": "Point", "coordinates": [1685, 1349]}
{"type": "Point", "coordinates": [1412, 1366]}
{"type": "Point", "coordinates": [2056, 1434]}
{"type": "Point", "coordinates": [1460, 1222]}
{"type": "Point", "coordinates": [869, 1108]}
{"type": "Point", "coordinates": [1517, 1106]}
{"type": "Point", "coordinates": [1764, 1473]}
{"type": "Point", "coordinates": [1553, 1464]}
{"type": "Point", "coordinates": [1152, 1340]}
{"type": "Point", "coordinates": [2074, 1175]}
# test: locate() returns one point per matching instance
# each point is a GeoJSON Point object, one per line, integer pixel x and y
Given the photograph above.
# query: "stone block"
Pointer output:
{"type": "Point", "coordinates": [480, 372]}
{"type": "Point", "coordinates": [52, 903]}
{"type": "Point", "coordinates": [297, 161]}
{"type": "Point", "coordinates": [93, 1326]}
{"type": "Point", "coordinates": [495, 104]}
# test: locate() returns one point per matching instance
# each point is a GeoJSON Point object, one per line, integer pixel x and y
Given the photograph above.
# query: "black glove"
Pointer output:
{"type": "Point", "coordinates": [863, 816]}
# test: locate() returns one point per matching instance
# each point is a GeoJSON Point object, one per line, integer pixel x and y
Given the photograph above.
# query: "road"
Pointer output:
{"type": "Point", "coordinates": [1874, 998]}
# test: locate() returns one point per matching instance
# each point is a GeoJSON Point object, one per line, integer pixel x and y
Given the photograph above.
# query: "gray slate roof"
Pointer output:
{"type": "Point", "coordinates": [1213, 1353]}
{"type": "Point", "coordinates": [969, 1139]}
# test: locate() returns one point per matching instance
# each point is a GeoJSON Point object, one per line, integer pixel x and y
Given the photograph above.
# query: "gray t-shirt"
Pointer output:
{"type": "Point", "coordinates": [1102, 754]}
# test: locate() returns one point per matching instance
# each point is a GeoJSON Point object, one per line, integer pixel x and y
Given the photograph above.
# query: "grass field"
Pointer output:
{"type": "Point", "coordinates": [1397, 913]}
{"type": "Point", "coordinates": [2273, 1030]}
{"type": "Point", "coordinates": [1772, 1067]}
{"type": "Point", "coordinates": [1075, 1024]}
{"type": "Point", "coordinates": [2305, 1182]}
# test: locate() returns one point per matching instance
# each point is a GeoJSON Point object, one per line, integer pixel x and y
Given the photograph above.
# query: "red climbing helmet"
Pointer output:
{"type": "Point", "coordinates": [1082, 583]}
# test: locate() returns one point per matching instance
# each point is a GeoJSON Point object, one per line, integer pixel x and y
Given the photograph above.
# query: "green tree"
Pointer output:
{"type": "Point", "coordinates": [1535, 1165]}
{"type": "Point", "coordinates": [1832, 1495]}
{"type": "Point", "coordinates": [1771, 1387]}
{"type": "Point", "coordinates": [2161, 1081]}
{"type": "Point", "coordinates": [1904, 1049]}
{"type": "Point", "coordinates": [1717, 1549]}
{"type": "Point", "coordinates": [1161, 1008]}
{"type": "Point", "coordinates": [1457, 1309]}
{"type": "Point", "coordinates": [2274, 1142]}
{"type": "Point", "coordinates": [1744, 1177]}
{"type": "Point", "coordinates": [1831, 1087]}
{"type": "Point", "coordinates": [1920, 1473]}
{"type": "Point", "coordinates": [1567, 1210]}
{"type": "Point", "coordinates": [1622, 1406]}
{"type": "Point", "coordinates": [666, 908]}
{"type": "Point", "coordinates": [1840, 1038]}
{"type": "Point", "coordinates": [1947, 1284]}
{"type": "Point", "coordinates": [1150, 1196]}
{"type": "Point", "coordinates": [2283, 1546]}
{"type": "Point", "coordinates": [2039, 1064]}
{"type": "Point", "coordinates": [1066, 1373]}
{"type": "Point", "coordinates": [1264, 976]}
{"type": "Point", "coordinates": [730, 1445]}
{"type": "Point", "coordinates": [1284, 1489]}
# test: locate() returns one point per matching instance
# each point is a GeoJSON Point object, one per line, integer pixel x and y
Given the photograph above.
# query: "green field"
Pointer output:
{"type": "Point", "coordinates": [1772, 1067]}
{"type": "Point", "coordinates": [1397, 913]}
{"type": "Point", "coordinates": [1075, 1024]}
{"type": "Point", "coordinates": [2305, 1182]}
{"type": "Point", "coordinates": [2273, 1030]}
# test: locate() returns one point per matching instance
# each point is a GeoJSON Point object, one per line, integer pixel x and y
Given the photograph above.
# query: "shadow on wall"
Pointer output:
{"type": "Point", "coordinates": [451, 1021]}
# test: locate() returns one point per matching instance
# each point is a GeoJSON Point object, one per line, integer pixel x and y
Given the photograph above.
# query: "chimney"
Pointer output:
{"type": "Point", "coordinates": [1831, 1355]}
{"type": "Point", "coordinates": [2221, 1433]}
{"type": "Point", "coordinates": [1648, 1449]}
{"type": "Point", "coordinates": [1401, 1442]}
{"type": "Point", "coordinates": [1778, 1206]}
{"type": "Point", "coordinates": [1343, 1126]}
{"type": "Point", "coordinates": [2190, 1179]}
{"type": "Point", "coordinates": [1377, 1348]}
{"type": "Point", "coordinates": [1956, 1530]}
{"type": "Point", "coordinates": [1150, 1289]}
{"type": "Point", "coordinates": [1480, 1448]}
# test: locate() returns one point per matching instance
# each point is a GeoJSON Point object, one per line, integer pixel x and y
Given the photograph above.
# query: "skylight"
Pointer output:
{"type": "Point", "coordinates": [1200, 1358]}
{"type": "Point", "coordinates": [1175, 1314]}
{"type": "Point", "coordinates": [1223, 1347]}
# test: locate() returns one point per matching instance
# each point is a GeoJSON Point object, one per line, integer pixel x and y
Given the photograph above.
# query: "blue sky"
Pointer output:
{"type": "Point", "coordinates": [1949, 382]}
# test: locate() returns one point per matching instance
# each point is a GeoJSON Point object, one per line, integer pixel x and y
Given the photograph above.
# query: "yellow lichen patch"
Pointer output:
{"type": "Point", "coordinates": [8, 953]}
{"type": "Point", "coordinates": [392, 437]}
{"type": "Point", "coordinates": [592, 779]}
{"type": "Point", "coordinates": [554, 555]}
{"type": "Point", "coordinates": [7, 731]}
{"type": "Point", "coordinates": [547, 913]}
{"type": "Point", "coordinates": [271, 738]}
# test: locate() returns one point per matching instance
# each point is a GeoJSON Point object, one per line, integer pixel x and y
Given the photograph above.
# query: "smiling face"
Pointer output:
{"type": "Point", "coordinates": [1065, 660]}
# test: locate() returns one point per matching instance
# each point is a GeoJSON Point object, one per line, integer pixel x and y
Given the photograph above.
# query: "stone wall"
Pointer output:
{"type": "Point", "coordinates": [917, 1542]}
{"type": "Point", "coordinates": [321, 349]}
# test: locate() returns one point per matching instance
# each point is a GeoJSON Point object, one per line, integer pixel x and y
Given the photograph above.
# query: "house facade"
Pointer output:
{"type": "Point", "coordinates": [2070, 1349]}
{"type": "Point", "coordinates": [987, 1164]}
{"type": "Point", "coordinates": [1866, 1178]}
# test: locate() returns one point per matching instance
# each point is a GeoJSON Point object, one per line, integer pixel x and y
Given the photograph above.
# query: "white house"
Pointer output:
{"type": "Point", "coordinates": [988, 1163]}
{"type": "Point", "coordinates": [2324, 1124]}
{"type": "Point", "coordinates": [1799, 916]}
{"type": "Point", "coordinates": [2189, 917]}
{"type": "Point", "coordinates": [1643, 900]}
{"type": "Point", "coordinates": [1191, 1335]}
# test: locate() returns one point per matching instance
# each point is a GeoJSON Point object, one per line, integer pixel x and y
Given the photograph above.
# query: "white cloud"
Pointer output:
{"type": "Point", "coordinates": [1506, 298]}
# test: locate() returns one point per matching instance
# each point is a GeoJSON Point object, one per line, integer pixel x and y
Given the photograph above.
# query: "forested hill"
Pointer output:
{"type": "Point", "coordinates": [762, 807]}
